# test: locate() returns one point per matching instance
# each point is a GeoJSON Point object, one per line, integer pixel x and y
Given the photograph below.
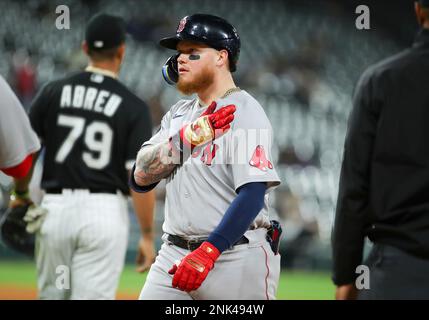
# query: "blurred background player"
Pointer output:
{"type": "Point", "coordinates": [18, 141]}
{"type": "Point", "coordinates": [385, 178]}
{"type": "Point", "coordinates": [91, 126]}
{"type": "Point", "coordinates": [218, 175]}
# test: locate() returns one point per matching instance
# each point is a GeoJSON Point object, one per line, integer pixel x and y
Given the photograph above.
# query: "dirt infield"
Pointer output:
{"type": "Point", "coordinates": [16, 293]}
{"type": "Point", "coordinates": [23, 293]}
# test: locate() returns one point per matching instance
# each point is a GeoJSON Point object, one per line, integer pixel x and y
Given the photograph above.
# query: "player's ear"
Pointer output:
{"type": "Point", "coordinates": [222, 58]}
{"type": "Point", "coordinates": [121, 52]}
{"type": "Point", "coordinates": [85, 47]}
{"type": "Point", "coordinates": [419, 13]}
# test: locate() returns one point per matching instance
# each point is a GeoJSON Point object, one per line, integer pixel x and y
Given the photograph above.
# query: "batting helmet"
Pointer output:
{"type": "Point", "coordinates": [210, 30]}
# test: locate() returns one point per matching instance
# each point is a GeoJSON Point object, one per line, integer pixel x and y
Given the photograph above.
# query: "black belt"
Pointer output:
{"type": "Point", "coordinates": [194, 244]}
{"type": "Point", "coordinates": [90, 190]}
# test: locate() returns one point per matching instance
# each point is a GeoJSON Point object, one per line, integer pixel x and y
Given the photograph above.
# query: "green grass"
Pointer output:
{"type": "Point", "coordinates": [296, 285]}
{"type": "Point", "coordinates": [22, 273]}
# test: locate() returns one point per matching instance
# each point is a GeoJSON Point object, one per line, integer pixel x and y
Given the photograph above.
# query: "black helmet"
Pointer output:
{"type": "Point", "coordinates": [208, 29]}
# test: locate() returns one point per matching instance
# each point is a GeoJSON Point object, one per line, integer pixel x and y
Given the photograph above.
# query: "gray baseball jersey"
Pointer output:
{"type": "Point", "coordinates": [199, 192]}
{"type": "Point", "coordinates": [17, 138]}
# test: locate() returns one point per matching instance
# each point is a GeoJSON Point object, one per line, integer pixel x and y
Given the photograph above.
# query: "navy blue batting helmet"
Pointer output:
{"type": "Point", "coordinates": [211, 30]}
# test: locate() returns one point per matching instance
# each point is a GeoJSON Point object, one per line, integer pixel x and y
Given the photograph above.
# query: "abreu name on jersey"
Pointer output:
{"type": "Point", "coordinates": [89, 98]}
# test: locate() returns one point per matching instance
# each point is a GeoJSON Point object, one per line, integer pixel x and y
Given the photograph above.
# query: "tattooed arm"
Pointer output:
{"type": "Point", "coordinates": [157, 161]}
{"type": "Point", "coordinates": [154, 163]}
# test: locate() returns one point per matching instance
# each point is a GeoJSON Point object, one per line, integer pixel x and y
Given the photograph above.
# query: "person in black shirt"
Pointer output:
{"type": "Point", "coordinates": [91, 127]}
{"type": "Point", "coordinates": [384, 183]}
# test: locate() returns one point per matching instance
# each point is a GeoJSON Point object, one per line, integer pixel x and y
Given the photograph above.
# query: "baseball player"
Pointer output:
{"type": "Point", "coordinates": [91, 126]}
{"type": "Point", "coordinates": [214, 152]}
{"type": "Point", "coordinates": [18, 141]}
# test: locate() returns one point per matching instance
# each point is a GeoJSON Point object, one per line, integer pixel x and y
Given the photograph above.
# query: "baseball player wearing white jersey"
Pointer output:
{"type": "Point", "coordinates": [18, 141]}
{"type": "Point", "coordinates": [214, 152]}
{"type": "Point", "coordinates": [91, 126]}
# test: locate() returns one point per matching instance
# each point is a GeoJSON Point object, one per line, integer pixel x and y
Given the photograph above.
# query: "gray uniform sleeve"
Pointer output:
{"type": "Point", "coordinates": [17, 138]}
{"type": "Point", "coordinates": [251, 149]}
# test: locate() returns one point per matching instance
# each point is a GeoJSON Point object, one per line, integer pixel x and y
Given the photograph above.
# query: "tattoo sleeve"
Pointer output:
{"type": "Point", "coordinates": [154, 163]}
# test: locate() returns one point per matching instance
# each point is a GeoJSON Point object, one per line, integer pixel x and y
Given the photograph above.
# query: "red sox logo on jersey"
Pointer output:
{"type": "Point", "coordinates": [259, 159]}
{"type": "Point", "coordinates": [209, 152]}
{"type": "Point", "coordinates": [182, 24]}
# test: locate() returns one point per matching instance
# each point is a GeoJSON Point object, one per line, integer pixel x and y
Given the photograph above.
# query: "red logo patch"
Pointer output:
{"type": "Point", "coordinates": [209, 152]}
{"type": "Point", "coordinates": [182, 24]}
{"type": "Point", "coordinates": [259, 159]}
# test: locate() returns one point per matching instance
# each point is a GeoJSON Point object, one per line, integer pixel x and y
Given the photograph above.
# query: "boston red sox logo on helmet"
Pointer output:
{"type": "Point", "coordinates": [182, 24]}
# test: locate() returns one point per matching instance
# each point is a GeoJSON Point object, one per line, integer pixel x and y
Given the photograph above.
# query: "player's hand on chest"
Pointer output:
{"type": "Point", "coordinates": [181, 118]}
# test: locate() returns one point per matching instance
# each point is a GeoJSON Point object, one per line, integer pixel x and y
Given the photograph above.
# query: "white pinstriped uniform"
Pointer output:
{"type": "Point", "coordinates": [89, 234]}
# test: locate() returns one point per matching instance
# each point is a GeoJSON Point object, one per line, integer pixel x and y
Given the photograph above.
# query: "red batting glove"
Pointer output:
{"type": "Point", "coordinates": [193, 268]}
{"type": "Point", "coordinates": [206, 128]}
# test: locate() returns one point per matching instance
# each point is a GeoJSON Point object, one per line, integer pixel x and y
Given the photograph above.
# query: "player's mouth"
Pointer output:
{"type": "Point", "coordinates": [183, 70]}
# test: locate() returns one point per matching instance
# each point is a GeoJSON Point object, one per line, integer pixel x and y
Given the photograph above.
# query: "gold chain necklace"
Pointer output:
{"type": "Point", "coordinates": [227, 93]}
{"type": "Point", "coordinates": [230, 91]}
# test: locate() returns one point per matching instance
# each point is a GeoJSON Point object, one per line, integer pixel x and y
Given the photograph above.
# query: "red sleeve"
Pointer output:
{"type": "Point", "coordinates": [21, 170]}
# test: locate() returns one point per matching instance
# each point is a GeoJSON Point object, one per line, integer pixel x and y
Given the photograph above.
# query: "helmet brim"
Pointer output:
{"type": "Point", "coordinates": [170, 42]}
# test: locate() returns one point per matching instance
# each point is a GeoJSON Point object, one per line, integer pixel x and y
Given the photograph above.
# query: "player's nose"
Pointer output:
{"type": "Point", "coordinates": [182, 59]}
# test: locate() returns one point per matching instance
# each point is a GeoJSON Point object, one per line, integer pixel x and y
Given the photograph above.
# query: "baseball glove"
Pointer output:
{"type": "Point", "coordinates": [13, 230]}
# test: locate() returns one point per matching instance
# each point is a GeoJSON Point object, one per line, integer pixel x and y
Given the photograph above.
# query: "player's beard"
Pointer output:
{"type": "Point", "coordinates": [199, 82]}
